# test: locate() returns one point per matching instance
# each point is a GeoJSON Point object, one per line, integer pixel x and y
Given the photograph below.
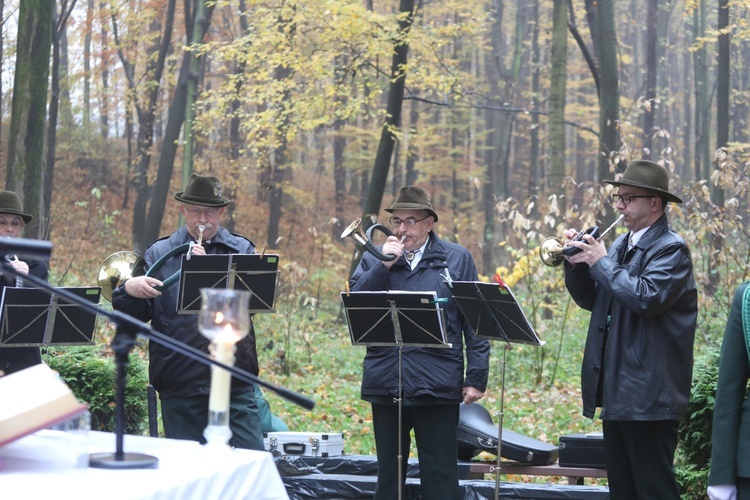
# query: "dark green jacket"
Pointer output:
{"type": "Point", "coordinates": [730, 455]}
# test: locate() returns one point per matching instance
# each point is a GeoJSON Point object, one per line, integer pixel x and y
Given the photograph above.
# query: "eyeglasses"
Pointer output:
{"type": "Point", "coordinates": [628, 198]}
{"type": "Point", "coordinates": [197, 212]}
{"type": "Point", "coordinates": [408, 222]}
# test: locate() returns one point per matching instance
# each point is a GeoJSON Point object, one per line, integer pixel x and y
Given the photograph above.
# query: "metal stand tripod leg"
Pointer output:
{"type": "Point", "coordinates": [399, 400]}
{"type": "Point", "coordinates": [506, 348]}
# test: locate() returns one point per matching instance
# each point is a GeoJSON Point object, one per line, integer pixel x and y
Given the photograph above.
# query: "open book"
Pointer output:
{"type": "Point", "coordinates": [33, 399]}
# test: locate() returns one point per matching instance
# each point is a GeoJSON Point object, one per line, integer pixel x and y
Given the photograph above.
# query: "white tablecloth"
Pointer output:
{"type": "Point", "coordinates": [43, 465]}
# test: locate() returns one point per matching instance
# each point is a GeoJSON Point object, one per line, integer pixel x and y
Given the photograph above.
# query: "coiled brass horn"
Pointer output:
{"type": "Point", "coordinates": [124, 265]}
{"type": "Point", "coordinates": [355, 232]}
{"type": "Point", "coordinates": [552, 252]}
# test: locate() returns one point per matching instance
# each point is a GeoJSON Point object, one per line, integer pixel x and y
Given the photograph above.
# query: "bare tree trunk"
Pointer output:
{"type": "Point", "coordinates": [104, 101]}
{"type": "Point", "coordinates": [558, 81]}
{"type": "Point", "coordinates": [652, 18]}
{"type": "Point", "coordinates": [175, 119]}
{"type": "Point", "coordinates": [87, 38]}
{"type": "Point", "coordinates": [25, 165]}
{"type": "Point", "coordinates": [146, 111]}
{"type": "Point", "coordinates": [383, 156]}
{"type": "Point", "coordinates": [702, 90]}
{"type": "Point", "coordinates": [58, 35]}
{"type": "Point", "coordinates": [609, 98]}
{"type": "Point", "coordinates": [393, 113]}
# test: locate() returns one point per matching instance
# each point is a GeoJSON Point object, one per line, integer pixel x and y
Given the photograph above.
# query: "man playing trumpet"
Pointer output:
{"type": "Point", "coordinates": [184, 384]}
{"type": "Point", "coordinates": [637, 364]}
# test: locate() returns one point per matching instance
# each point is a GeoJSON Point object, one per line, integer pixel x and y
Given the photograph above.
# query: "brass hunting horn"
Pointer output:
{"type": "Point", "coordinates": [553, 252]}
{"type": "Point", "coordinates": [355, 232]}
{"type": "Point", "coordinates": [124, 265]}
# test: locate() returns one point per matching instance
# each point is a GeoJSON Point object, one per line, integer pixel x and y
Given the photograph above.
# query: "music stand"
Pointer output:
{"type": "Point", "coordinates": [30, 317]}
{"type": "Point", "coordinates": [255, 273]}
{"type": "Point", "coordinates": [492, 311]}
{"type": "Point", "coordinates": [395, 319]}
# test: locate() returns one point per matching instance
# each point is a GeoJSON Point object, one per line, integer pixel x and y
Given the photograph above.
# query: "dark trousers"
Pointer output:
{"type": "Point", "coordinates": [435, 434]}
{"type": "Point", "coordinates": [640, 459]}
{"type": "Point", "coordinates": [186, 418]}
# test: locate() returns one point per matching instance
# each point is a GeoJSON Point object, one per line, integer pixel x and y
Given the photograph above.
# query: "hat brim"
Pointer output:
{"type": "Point", "coordinates": [659, 192]}
{"type": "Point", "coordinates": [203, 202]}
{"type": "Point", "coordinates": [26, 217]}
{"type": "Point", "coordinates": [411, 206]}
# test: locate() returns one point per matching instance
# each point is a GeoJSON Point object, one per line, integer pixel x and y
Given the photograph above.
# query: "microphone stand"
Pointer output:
{"type": "Point", "coordinates": [128, 328]}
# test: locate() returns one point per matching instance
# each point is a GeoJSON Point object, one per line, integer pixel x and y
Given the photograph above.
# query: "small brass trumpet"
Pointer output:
{"type": "Point", "coordinates": [553, 252]}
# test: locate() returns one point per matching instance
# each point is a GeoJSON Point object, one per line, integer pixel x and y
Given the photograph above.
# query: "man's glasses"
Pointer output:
{"type": "Point", "coordinates": [627, 198]}
{"type": "Point", "coordinates": [197, 212]}
{"type": "Point", "coordinates": [408, 222]}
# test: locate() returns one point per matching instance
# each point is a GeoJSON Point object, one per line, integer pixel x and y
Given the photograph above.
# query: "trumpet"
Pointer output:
{"type": "Point", "coordinates": [355, 232]}
{"type": "Point", "coordinates": [201, 228]}
{"type": "Point", "coordinates": [553, 252]}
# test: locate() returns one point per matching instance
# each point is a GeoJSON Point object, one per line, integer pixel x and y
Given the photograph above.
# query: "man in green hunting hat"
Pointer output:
{"type": "Point", "coordinates": [13, 219]}
{"type": "Point", "coordinates": [434, 380]}
{"type": "Point", "coordinates": [637, 365]}
{"type": "Point", "coordinates": [184, 384]}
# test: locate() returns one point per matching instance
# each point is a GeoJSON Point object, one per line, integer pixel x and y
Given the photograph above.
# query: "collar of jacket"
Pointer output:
{"type": "Point", "coordinates": [658, 227]}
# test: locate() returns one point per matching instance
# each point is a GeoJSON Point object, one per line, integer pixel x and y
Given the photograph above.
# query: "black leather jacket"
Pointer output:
{"type": "Point", "coordinates": [638, 359]}
{"type": "Point", "coordinates": [173, 374]}
{"type": "Point", "coordinates": [432, 373]}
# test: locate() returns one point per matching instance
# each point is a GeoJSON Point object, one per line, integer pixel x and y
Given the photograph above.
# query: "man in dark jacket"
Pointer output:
{"type": "Point", "coordinates": [638, 360]}
{"type": "Point", "coordinates": [12, 222]}
{"type": "Point", "coordinates": [433, 380]}
{"type": "Point", "coordinates": [184, 384]}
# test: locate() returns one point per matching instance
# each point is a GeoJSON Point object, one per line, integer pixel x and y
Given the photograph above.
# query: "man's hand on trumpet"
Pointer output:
{"type": "Point", "coordinates": [392, 246]}
{"type": "Point", "coordinates": [143, 287]}
{"type": "Point", "coordinates": [591, 249]}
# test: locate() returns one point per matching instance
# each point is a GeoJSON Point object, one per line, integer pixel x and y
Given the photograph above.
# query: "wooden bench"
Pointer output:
{"type": "Point", "coordinates": [575, 475]}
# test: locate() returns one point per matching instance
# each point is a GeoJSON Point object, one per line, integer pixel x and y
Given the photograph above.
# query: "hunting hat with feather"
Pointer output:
{"type": "Point", "coordinates": [203, 190]}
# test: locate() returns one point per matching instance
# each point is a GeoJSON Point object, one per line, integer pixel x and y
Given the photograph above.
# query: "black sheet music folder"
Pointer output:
{"type": "Point", "coordinates": [255, 273]}
{"type": "Point", "coordinates": [419, 319]}
{"type": "Point", "coordinates": [34, 317]}
{"type": "Point", "coordinates": [493, 312]}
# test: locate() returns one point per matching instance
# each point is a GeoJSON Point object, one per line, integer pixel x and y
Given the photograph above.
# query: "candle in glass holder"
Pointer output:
{"type": "Point", "coordinates": [224, 319]}
{"type": "Point", "coordinates": [222, 348]}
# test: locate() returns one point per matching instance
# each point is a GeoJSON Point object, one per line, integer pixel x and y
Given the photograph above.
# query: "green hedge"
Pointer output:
{"type": "Point", "coordinates": [90, 374]}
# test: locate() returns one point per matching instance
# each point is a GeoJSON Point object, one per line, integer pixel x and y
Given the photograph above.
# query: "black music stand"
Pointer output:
{"type": "Point", "coordinates": [30, 317]}
{"type": "Point", "coordinates": [493, 312]}
{"type": "Point", "coordinates": [395, 319]}
{"type": "Point", "coordinates": [255, 273]}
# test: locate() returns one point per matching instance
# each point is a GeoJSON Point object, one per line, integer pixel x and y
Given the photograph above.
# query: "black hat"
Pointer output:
{"type": "Point", "coordinates": [412, 198]}
{"type": "Point", "coordinates": [202, 190]}
{"type": "Point", "coordinates": [647, 175]}
{"type": "Point", "coordinates": [10, 203]}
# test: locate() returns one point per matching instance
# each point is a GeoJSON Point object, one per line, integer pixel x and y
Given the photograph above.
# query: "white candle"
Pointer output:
{"type": "Point", "coordinates": [221, 379]}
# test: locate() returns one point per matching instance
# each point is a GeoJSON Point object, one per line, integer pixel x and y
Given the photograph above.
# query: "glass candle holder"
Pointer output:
{"type": "Point", "coordinates": [224, 319]}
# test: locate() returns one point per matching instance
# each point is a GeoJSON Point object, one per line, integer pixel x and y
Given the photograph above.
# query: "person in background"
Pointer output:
{"type": "Point", "coordinates": [638, 359]}
{"type": "Point", "coordinates": [12, 221]}
{"type": "Point", "coordinates": [729, 478]}
{"type": "Point", "coordinates": [183, 383]}
{"type": "Point", "coordinates": [433, 379]}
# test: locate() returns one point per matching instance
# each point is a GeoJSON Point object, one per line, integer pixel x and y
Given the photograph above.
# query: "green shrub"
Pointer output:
{"type": "Point", "coordinates": [694, 450]}
{"type": "Point", "coordinates": [90, 374]}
